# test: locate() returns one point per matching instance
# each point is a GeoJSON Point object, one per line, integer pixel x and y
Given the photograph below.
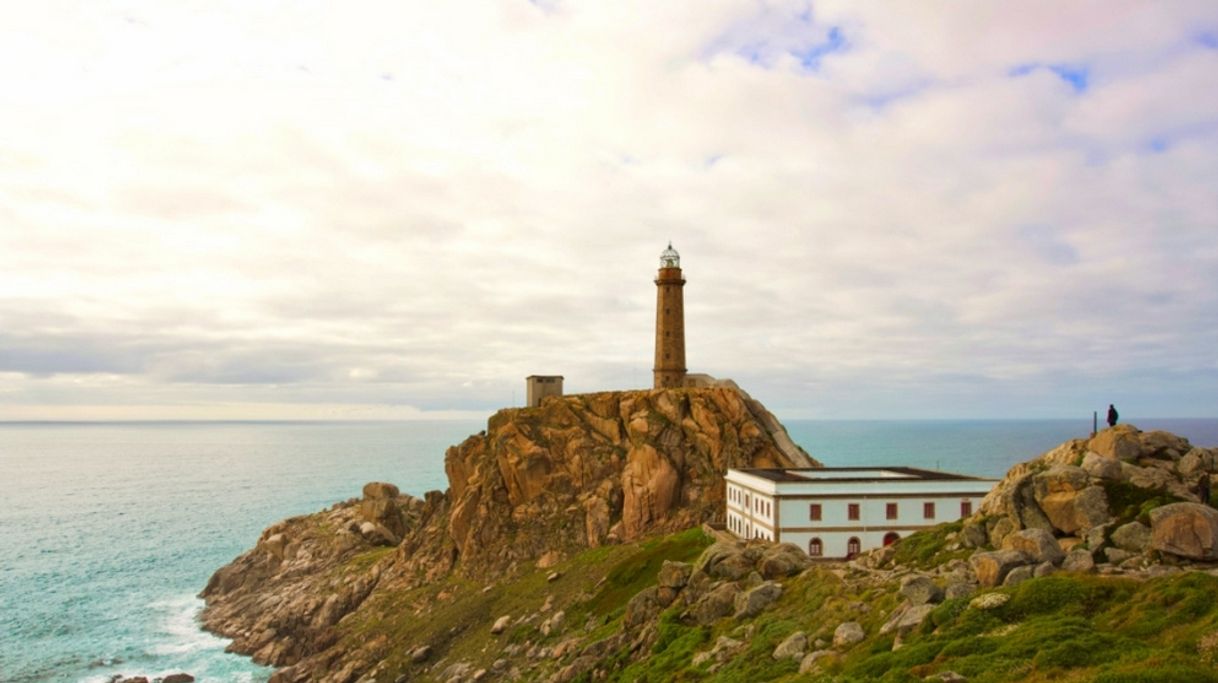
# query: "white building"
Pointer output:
{"type": "Point", "coordinates": [837, 512]}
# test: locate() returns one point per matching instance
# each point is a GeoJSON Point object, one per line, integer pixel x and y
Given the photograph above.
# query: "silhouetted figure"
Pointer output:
{"type": "Point", "coordinates": [1203, 489]}
{"type": "Point", "coordinates": [1112, 416]}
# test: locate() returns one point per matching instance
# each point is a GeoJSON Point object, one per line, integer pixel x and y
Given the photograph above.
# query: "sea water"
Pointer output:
{"type": "Point", "coordinates": [109, 531]}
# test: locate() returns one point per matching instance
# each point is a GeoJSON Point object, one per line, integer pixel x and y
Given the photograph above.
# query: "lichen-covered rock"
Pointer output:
{"type": "Point", "coordinates": [643, 606]}
{"type": "Point", "coordinates": [992, 567]}
{"type": "Point", "coordinates": [1018, 575]}
{"type": "Point", "coordinates": [1120, 442]}
{"type": "Point", "coordinates": [1186, 530]}
{"type": "Point", "coordinates": [1198, 461]}
{"type": "Point", "coordinates": [1101, 467]}
{"type": "Point", "coordinates": [718, 602]}
{"type": "Point", "coordinates": [1163, 445]}
{"type": "Point", "coordinates": [792, 647]}
{"type": "Point", "coordinates": [1133, 537]}
{"type": "Point", "coordinates": [781, 560]}
{"type": "Point", "coordinates": [1068, 499]}
{"type": "Point", "coordinates": [630, 462]}
{"type": "Point", "coordinates": [813, 660]}
{"type": "Point", "coordinates": [1078, 560]}
{"type": "Point", "coordinates": [847, 634]}
{"type": "Point", "coordinates": [674, 574]}
{"type": "Point", "coordinates": [959, 589]}
{"type": "Point", "coordinates": [1039, 545]}
{"type": "Point", "coordinates": [906, 618]}
{"type": "Point", "coordinates": [920, 590]}
{"type": "Point", "coordinates": [989, 601]}
{"type": "Point", "coordinates": [751, 602]}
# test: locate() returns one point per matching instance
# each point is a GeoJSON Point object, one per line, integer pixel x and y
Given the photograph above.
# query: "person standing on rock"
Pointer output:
{"type": "Point", "coordinates": [1203, 489]}
{"type": "Point", "coordinates": [1112, 415]}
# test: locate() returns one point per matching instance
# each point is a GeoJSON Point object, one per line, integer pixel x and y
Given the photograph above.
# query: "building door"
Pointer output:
{"type": "Point", "coordinates": [891, 537]}
{"type": "Point", "coordinates": [853, 547]}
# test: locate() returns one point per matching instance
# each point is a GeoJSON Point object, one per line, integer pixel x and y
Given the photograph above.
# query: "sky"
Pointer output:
{"type": "Point", "coordinates": [398, 210]}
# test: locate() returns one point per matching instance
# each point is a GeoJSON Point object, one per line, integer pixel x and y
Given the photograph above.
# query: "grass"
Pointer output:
{"type": "Point", "coordinates": [1129, 503]}
{"type": "Point", "coordinates": [928, 548]}
{"type": "Point", "coordinates": [1062, 627]}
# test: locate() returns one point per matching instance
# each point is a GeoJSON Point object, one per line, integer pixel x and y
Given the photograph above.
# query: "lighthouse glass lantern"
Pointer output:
{"type": "Point", "coordinates": [669, 258]}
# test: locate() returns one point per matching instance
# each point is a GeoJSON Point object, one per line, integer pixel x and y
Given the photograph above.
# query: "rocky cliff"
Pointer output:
{"type": "Point", "coordinates": [537, 486]}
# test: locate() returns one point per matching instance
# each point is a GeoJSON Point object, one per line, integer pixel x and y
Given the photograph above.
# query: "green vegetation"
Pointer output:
{"type": "Point", "coordinates": [1062, 627]}
{"type": "Point", "coordinates": [928, 548]}
{"type": "Point", "coordinates": [1129, 502]}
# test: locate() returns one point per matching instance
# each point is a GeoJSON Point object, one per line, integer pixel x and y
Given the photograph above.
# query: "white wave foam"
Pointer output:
{"type": "Point", "coordinates": [180, 628]}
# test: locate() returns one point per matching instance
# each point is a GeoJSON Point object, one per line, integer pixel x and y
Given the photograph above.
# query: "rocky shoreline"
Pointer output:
{"type": "Point", "coordinates": [558, 554]}
{"type": "Point", "coordinates": [537, 486]}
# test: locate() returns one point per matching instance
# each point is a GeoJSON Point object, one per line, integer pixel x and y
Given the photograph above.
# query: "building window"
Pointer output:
{"type": "Point", "coordinates": [891, 537]}
{"type": "Point", "coordinates": [966, 508]}
{"type": "Point", "coordinates": [816, 548]}
{"type": "Point", "coordinates": [814, 512]}
{"type": "Point", "coordinates": [853, 547]}
{"type": "Point", "coordinates": [890, 510]}
{"type": "Point", "coordinates": [928, 510]}
{"type": "Point", "coordinates": [852, 511]}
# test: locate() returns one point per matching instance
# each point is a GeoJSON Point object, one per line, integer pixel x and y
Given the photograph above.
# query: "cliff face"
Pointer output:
{"type": "Point", "coordinates": [603, 468]}
{"type": "Point", "coordinates": [537, 486]}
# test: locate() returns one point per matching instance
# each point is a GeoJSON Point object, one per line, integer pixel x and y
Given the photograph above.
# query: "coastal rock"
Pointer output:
{"type": "Point", "coordinates": [751, 602]}
{"type": "Point", "coordinates": [630, 462]}
{"type": "Point", "coordinates": [1039, 545]}
{"type": "Point", "coordinates": [920, 590]}
{"type": "Point", "coordinates": [847, 634]}
{"type": "Point", "coordinates": [1101, 467]}
{"type": "Point", "coordinates": [782, 560]}
{"type": "Point", "coordinates": [1133, 537]}
{"type": "Point", "coordinates": [501, 624]}
{"type": "Point", "coordinates": [1068, 499]}
{"type": "Point", "coordinates": [1078, 560]}
{"type": "Point", "coordinates": [1120, 443]}
{"type": "Point", "coordinates": [178, 678]}
{"type": "Point", "coordinates": [1018, 575]}
{"type": "Point", "coordinates": [1198, 461]}
{"type": "Point", "coordinates": [992, 567]}
{"type": "Point", "coordinates": [989, 601]}
{"type": "Point", "coordinates": [717, 603]}
{"type": "Point", "coordinates": [906, 618]}
{"type": "Point", "coordinates": [579, 471]}
{"type": "Point", "coordinates": [1187, 530]}
{"type": "Point", "coordinates": [792, 647]}
{"type": "Point", "coordinates": [813, 660]}
{"type": "Point", "coordinates": [1163, 445]}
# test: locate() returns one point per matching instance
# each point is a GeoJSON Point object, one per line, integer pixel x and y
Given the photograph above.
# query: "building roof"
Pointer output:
{"type": "Point", "coordinates": [832, 475]}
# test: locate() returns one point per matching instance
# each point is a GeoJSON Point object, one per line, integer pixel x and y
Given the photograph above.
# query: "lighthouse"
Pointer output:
{"type": "Point", "coordinates": [670, 368]}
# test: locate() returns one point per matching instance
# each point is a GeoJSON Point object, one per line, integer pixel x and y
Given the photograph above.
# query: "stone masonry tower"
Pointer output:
{"type": "Point", "coordinates": [670, 321]}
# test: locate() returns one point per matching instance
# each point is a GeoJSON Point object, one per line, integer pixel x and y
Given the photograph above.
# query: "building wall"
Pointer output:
{"type": "Point", "coordinates": [789, 520]}
{"type": "Point", "coordinates": [669, 368]}
{"type": "Point", "coordinates": [538, 387]}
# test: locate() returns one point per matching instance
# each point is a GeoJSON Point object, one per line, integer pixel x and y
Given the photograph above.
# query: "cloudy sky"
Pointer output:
{"type": "Point", "coordinates": [400, 209]}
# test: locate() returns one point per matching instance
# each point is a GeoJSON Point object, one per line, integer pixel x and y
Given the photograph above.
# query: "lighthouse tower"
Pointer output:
{"type": "Point", "coordinates": [669, 369]}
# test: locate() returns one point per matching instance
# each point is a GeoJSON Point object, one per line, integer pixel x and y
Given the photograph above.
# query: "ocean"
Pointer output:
{"type": "Point", "coordinates": [108, 531]}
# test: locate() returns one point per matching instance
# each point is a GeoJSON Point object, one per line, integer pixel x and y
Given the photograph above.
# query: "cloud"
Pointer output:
{"type": "Point", "coordinates": [937, 209]}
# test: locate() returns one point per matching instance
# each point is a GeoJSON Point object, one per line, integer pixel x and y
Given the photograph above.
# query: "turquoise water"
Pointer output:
{"type": "Point", "coordinates": [108, 531]}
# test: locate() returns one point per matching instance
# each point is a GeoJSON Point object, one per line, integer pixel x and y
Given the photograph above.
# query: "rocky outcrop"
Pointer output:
{"type": "Point", "coordinates": [1065, 491]}
{"type": "Point", "coordinates": [280, 601]}
{"type": "Point", "coordinates": [537, 485]}
{"type": "Point", "coordinates": [618, 464]}
{"type": "Point", "coordinates": [1186, 530]}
